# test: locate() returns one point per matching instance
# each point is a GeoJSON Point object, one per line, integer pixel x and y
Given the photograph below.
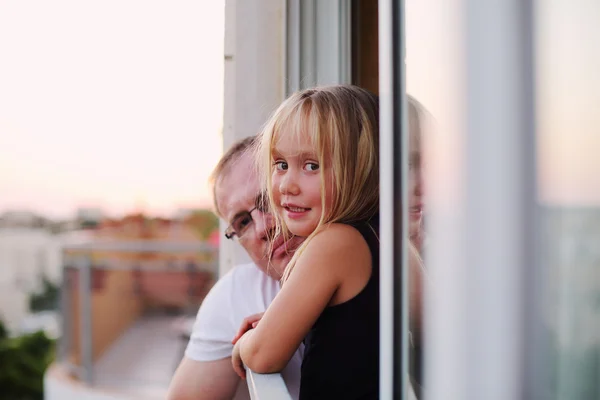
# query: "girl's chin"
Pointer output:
{"type": "Point", "coordinates": [415, 231]}
{"type": "Point", "coordinates": [300, 229]}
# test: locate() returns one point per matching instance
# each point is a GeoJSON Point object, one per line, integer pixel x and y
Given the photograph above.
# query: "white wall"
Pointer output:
{"type": "Point", "coordinates": [24, 255]}
{"type": "Point", "coordinates": [254, 80]}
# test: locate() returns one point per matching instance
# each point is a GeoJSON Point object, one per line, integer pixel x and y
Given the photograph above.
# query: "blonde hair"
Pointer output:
{"type": "Point", "coordinates": [417, 116]}
{"type": "Point", "coordinates": [342, 122]}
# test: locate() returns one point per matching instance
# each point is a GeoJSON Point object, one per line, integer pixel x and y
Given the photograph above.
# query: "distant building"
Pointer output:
{"type": "Point", "coordinates": [89, 217]}
{"type": "Point", "coordinates": [22, 219]}
{"type": "Point", "coordinates": [27, 255]}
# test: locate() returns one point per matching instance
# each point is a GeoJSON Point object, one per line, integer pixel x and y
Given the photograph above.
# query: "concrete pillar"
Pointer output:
{"type": "Point", "coordinates": [254, 81]}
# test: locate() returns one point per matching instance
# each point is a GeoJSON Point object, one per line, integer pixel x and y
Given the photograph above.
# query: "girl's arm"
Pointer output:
{"type": "Point", "coordinates": [335, 256]}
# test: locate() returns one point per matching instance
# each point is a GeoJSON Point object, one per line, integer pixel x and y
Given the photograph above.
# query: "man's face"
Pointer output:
{"type": "Point", "coordinates": [236, 192]}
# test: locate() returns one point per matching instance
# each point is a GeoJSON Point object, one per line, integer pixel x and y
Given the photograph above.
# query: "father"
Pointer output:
{"type": "Point", "coordinates": [206, 371]}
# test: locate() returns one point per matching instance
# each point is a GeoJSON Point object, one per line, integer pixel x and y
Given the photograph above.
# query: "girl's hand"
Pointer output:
{"type": "Point", "coordinates": [236, 361]}
{"type": "Point", "coordinates": [247, 324]}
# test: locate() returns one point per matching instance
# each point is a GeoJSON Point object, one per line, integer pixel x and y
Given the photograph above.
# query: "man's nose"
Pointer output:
{"type": "Point", "coordinates": [264, 223]}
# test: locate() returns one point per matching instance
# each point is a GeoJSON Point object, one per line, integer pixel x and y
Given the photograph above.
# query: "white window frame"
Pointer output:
{"type": "Point", "coordinates": [318, 43]}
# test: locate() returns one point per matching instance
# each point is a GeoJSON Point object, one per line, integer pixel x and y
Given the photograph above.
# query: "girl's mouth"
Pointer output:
{"type": "Point", "coordinates": [416, 212]}
{"type": "Point", "coordinates": [294, 211]}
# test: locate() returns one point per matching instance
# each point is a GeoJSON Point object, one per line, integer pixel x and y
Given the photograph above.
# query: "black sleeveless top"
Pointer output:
{"type": "Point", "coordinates": [341, 356]}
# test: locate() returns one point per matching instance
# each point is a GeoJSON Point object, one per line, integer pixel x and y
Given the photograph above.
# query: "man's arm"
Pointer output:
{"type": "Point", "coordinates": [205, 373]}
{"type": "Point", "coordinates": [203, 380]}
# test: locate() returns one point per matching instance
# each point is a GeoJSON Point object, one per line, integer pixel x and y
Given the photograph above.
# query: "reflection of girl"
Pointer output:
{"type": "Point", "coordinates": [416, 116]}
{"type": "Point", "coordinates": [321, 151]}
{"type": "Point", "coordinates": [416, 124]}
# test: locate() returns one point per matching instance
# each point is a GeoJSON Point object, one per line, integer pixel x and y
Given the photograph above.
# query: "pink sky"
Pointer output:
{"type": "Point", "coordinates": [116, 104]}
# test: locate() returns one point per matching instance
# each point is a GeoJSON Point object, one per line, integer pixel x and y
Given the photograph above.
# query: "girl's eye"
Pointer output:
{"type": "Point", "coordinates": [412, 166]}
{"type": "Point", "coordinates": [414, 162]}
{"type": "Point", "coordinates": [281, 165]}
{"type": "Point", "coordinates": [311, 167]}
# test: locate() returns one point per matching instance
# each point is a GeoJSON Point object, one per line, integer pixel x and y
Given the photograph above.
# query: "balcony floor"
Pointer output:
{"type": "Point", "coordinates": [143, 360]}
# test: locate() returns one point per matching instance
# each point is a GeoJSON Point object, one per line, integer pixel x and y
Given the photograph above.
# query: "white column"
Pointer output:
{"type": "Point", "coordinates": [480, 261]}
{"type": "Point", "coordinates": [500, 194]}
{"type": "Point", "coordinates": [254, 80]}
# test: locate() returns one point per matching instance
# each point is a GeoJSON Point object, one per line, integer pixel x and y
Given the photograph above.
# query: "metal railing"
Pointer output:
{"type": "Point", "coordinates": [272, 387]}
{"type": "Point", "coordinates": [266, 386]}
{"type": "Point", "coordinates": [86, 268]}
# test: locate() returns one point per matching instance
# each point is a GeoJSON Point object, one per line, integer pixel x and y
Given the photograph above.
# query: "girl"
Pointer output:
{"type": "Point", "coordinates": [417, 115]}
{"type": "Point", "coordinates": [319, 153]}
{"type": "Point", "coordinates": [418, 118]}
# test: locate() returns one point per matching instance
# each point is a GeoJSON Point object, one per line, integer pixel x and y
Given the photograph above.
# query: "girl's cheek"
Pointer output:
{"type": "Point", "coordinates": [275, 188]}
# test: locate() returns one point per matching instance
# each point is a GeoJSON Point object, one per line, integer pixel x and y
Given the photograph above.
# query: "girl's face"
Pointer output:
{"type": "Point", "coordinates": [415, 182]}
{"type": "Point", "coordinates": [296, 183]}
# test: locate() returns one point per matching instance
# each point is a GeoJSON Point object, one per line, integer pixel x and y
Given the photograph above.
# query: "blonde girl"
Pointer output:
{"type": "Point", "coordinates": [319, 155]}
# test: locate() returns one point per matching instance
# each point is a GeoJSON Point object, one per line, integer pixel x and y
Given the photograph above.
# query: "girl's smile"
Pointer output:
{"type": "Point", "coordinates": [295, 212]}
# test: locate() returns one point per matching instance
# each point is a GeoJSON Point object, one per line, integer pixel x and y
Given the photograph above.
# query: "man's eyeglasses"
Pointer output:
{"type": "Point", "coordinates": [242, 221]}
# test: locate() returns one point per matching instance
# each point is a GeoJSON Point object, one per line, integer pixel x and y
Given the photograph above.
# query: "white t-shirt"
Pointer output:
{"type": "Point", "coordinates": [243, 291]}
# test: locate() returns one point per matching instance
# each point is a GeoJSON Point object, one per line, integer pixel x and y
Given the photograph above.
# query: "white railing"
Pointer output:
{"type": "Point", "coordinates": [266, 386]}
{"type": "Point", "coordinates": [272, 387]}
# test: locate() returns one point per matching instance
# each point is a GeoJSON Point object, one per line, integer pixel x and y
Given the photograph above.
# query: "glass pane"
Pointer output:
{"type": "Point", "coordinates": [568, 122]}
{"type": "Point", "coordinates": [435, 79]}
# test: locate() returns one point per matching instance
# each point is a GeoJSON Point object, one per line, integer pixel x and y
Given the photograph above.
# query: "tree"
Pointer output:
{"type": "Point", "coordinates": [3, 331]}
{"type": "Point", "coordinates": [24, 361]}
{"type": "Point", "coordinates": [204, 223]}
{"type": "Point", "coordinates": [47, 298]}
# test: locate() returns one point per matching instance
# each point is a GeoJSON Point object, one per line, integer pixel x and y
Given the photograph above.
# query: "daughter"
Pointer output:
{"type": "Point", "coordinates": [320, 154]}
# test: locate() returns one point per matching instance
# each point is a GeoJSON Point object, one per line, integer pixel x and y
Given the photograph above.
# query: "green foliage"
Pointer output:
{"type": "Point", "coordinates": [46, 299]}
{"type": "Point", "coordinates": [3, 331]}
{"type": "Point", "coordinates": [204, 222]}
{"type": "Point", "coordinates": [23, 362]}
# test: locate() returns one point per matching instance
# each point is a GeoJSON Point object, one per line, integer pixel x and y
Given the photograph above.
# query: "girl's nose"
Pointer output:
{"type": "Point", "coordinates": [288, 184]}
{"type": "Point", "coordinates": [416, 182]}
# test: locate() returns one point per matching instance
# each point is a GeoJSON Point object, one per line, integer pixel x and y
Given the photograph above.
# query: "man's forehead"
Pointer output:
{"type": "Point", "coordinates": [237, 188]}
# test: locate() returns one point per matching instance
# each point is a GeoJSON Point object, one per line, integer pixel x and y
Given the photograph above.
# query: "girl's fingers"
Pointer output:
{"type": "Point", "coordinates": [247, 324]}
{"type": "Point", "coordinates": [239, 369]}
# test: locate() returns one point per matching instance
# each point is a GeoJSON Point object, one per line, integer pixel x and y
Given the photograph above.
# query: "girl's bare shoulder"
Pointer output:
{"type": "Point", "coordinates": [336, 246]}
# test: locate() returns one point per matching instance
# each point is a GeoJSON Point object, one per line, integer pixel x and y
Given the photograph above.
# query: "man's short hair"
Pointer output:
{"type": "Point", "coordinates": [236, 150]}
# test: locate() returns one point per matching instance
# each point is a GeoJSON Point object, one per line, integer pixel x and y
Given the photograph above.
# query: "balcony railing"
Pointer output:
{"type": "Point", "coordinates": [272, 387]}
{"type": "Point", "coordinates": [266, 386]}
{"type": "Point", "coordinates": [122, 305]}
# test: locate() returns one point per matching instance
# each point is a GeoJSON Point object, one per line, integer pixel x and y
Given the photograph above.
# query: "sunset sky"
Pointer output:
{"type": "Point", "coordinates": [118, 104]}
{"type": "Point", "coordinates": [115, 104]}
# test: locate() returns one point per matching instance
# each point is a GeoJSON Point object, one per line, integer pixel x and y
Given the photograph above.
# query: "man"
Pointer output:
{"type": "Point", "coordinates": [206, 371]}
